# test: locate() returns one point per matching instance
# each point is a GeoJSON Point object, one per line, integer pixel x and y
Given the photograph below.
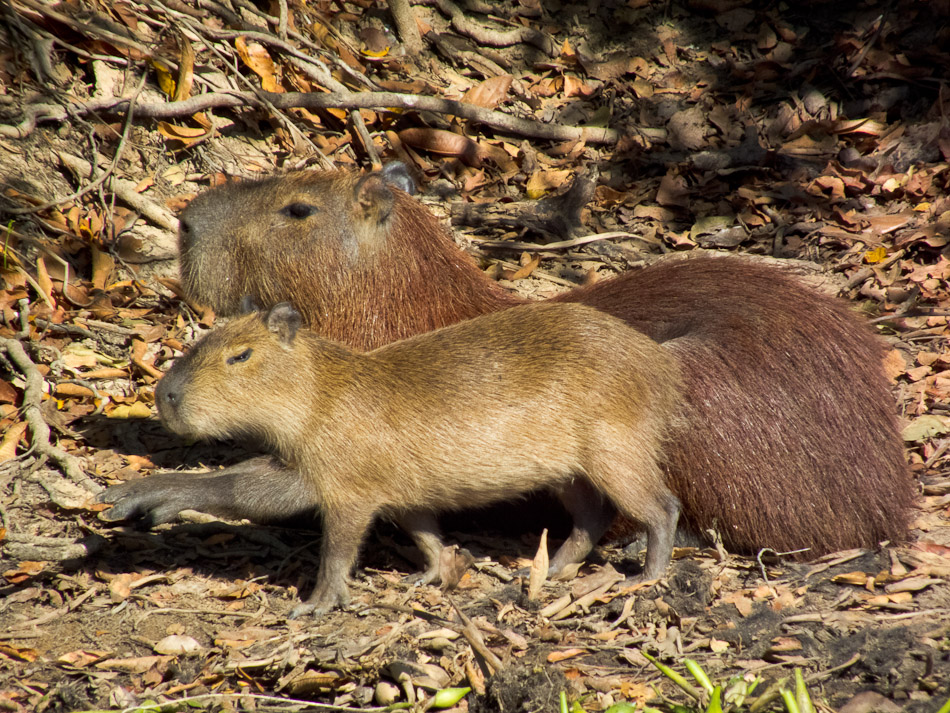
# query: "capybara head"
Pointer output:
{"type": "Point", "coordinates": [239, 380]}
{"type": "Point", "coordinates": [320, 240]}
{"type": "Point", "coordinates": [236, 241]}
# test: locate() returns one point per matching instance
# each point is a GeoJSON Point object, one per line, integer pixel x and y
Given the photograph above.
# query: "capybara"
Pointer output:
{"type": "Point", "coordinates": [544, 396]}
{"type": "Point", "coordinates": [790, 439]}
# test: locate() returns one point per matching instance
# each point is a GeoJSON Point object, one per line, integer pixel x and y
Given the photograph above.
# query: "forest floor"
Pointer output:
{"type": "Point", "coordinates": [818, 132]}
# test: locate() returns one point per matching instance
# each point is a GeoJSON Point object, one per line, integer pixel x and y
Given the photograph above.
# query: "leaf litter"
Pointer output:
{"type": "Point", "coordinates": [815, 133]}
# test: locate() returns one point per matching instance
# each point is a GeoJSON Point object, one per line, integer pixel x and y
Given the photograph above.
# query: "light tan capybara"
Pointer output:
{"type": "Point", "coordinates": [544, 396]}
{"type": "Point", "coordinates": [790, 439]}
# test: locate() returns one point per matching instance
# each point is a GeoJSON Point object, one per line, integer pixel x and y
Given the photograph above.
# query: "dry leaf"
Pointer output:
{"type": "Point", "coordinates": [444, 143]}
{"type": "Point", "coordinates": [453, 564]}
{"type": "Point", "coordinates": [539, 568]}
{"type": "Point", "coordinates": [44, 281]}
{"type": "Point", "coordinates": [186, 69]}
{"type": "Point", "coordinates": [541, 182]}
{"type": "Point", "coordinates": [81, 658]}
{"type": "Point", "coordinates": [528, 265]}
{"type": "Point", "coordinates": [489, 93]}
{"type": "Point", "coordinates": [24, 571]}
{"type": "Point", "coordinates": [139, 664]}
{"type": "Point", "coordinates": [102, 266]}
{"type": "Point", "coordinates": [556, 656]}
{"type": "Point", "coordinates": [177, 645]}
{"type": "Point", "coordinates": [166, 82]}
{"type": "Point", "coordinates": [19, 652]}
{"type": "Point", "coordinates": [133, 410]}
{"type": "Point", "coordinates": [187, 135]}
{"type": "Point", "coordinates": [673, 192]}
{"type": "Point", "coordinates": [856, 578]}
{"type": "Point", "coordinates": [259, 61]}
{"type": "Point", "coordinates": [10, 441]}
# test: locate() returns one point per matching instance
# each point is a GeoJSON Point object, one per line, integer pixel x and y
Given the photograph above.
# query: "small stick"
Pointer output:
{"type": "Point", "coordinates": [475, 640]}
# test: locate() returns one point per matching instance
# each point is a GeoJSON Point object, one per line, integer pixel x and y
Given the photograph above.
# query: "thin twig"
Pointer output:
{"type": "Point", "coordinates": [475, 640]}
{"type": "Point", "coordinates": [562, 244]}
{"type": "Point", "coordinates": [247, 696]}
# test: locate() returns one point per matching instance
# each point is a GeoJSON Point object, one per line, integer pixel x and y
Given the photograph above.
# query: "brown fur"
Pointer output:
{"type": "Point", "coordinates": [791, 440]}
{"type": "Point", "coordinates": [544, 396]}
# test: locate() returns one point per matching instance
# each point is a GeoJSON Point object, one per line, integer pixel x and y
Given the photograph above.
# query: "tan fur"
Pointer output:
{"type": "Point", "coordinates": [791, 440]}
{"type": "Point", "coordinates": [558, 397]}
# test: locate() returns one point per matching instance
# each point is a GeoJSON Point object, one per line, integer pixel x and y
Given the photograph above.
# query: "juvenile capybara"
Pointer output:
{"type": "Point", "coordinates": [790, 439]}
{"type": "Point", "coordinates": [543, 396]}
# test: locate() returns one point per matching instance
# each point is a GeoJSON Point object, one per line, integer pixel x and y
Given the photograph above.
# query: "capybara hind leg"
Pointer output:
{"type": "Point", "coordinates": [592, 514]}
{"type": "Point", "coordinates": [423, 527]}
{"type": "Point", "coordinates": [661, 529]}
{"type": "Point", "coordinates": [343, 532]}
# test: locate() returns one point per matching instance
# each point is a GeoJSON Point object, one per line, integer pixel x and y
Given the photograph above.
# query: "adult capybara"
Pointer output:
{"type": "Point", "coordinates": [790, 439]}
{"type": "Point", "coordinates": [543, 396]}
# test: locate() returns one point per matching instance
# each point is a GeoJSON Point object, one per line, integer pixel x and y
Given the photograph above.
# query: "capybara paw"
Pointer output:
{"type": "Point", "coordinates": [139, 501]}
{"type": "Point", "coordinates": [321, 602]}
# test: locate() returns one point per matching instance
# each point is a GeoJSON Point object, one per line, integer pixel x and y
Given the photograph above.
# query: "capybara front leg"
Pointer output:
{"type": "Point", "coordinates": [343, 532]}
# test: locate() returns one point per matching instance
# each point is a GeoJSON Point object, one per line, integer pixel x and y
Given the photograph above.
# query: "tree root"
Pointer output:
{"type": "Point", "coordinates": [39, 431]}
{"type": "Point", "coordinates": [495, 38]}
{"type": "Point", "coordinates": [37, 113]}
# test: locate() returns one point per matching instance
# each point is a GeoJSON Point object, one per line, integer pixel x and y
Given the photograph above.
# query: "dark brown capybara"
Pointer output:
{"type": "Point", "coordinates": [544, 396]}
{"type": "Point", "coordinates": [790, 439]}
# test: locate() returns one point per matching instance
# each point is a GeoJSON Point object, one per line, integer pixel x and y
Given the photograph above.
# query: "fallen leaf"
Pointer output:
{"type": "Point", "coordinates": [259, 61]}
{"type": "Point", "coordinates": [527, 267]}
{"type": "Point", "coordinates": [134, 410]}
{"type": "Point", "coordinates": [859, 579]}
{"type": "Point", "coordinates": [10, 441]}
{"type": "Point", "coordinates": [924, 427]}
{"type": "Point", "coordinates": [565, 654]}
{"type": "Point", "coordinates": [489, 93]}
{"type": "Point", "coordinates": [542, 182]}
{"type": "Point", "coordinates": [444, 143]}
{"type": "Point", "coordinates": [177, 645]}
{"type": "Point", "coordinates": [186, 135]}
{"type": "Point", "coordinates": [24, 571]}
{"type": "Point", "coordinates": [539, 568]}
{"type": "Point", "coordinates": [81, 658]}
{"type": "Point", "coordinates": [138, 664]}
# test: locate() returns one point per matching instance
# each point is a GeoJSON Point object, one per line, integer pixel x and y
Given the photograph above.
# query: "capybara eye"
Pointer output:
{"type": "Point", "coordinates": [298, 210]}
{"type": "Point", "coordinates": [243, 356]}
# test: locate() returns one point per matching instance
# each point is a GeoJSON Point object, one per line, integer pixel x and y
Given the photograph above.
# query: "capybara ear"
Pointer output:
{"type": "Point", "coordinates": [249, 304]}
{"type": "Point", "coordinates": [396, 174]}
{"type": "Point", "coordinates": [374, 198]}
{"type": "Point", "coordinates": [284, 321]}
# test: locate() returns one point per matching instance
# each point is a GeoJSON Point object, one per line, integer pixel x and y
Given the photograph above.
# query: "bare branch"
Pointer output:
{"type": "Point", "coordinates": [355, 100]}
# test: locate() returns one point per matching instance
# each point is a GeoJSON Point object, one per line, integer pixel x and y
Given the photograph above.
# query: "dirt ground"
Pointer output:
{"type": "Point", "coordinates": [816, 133]}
